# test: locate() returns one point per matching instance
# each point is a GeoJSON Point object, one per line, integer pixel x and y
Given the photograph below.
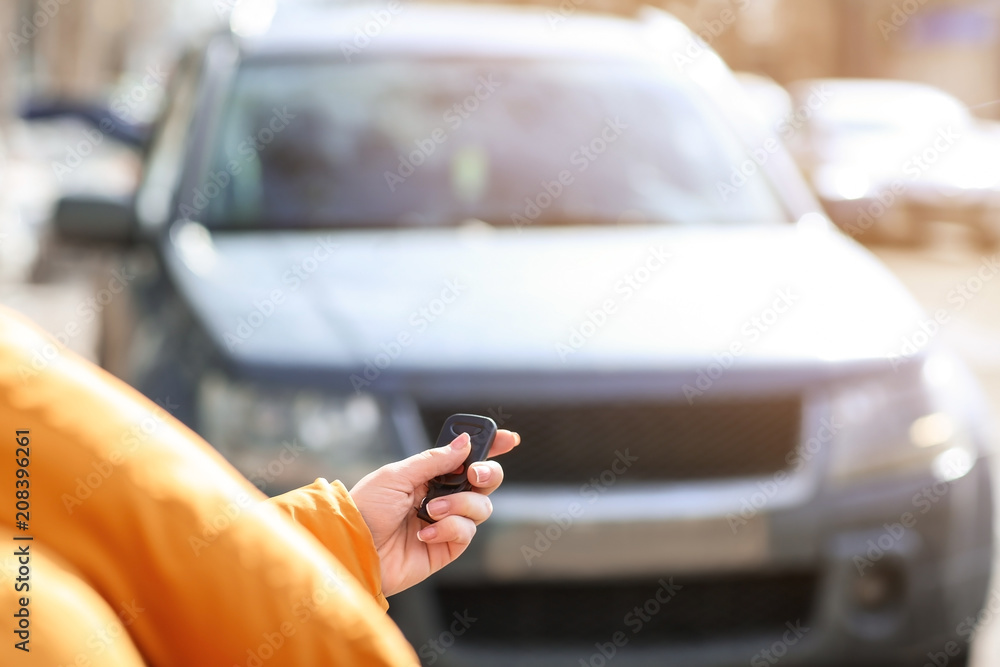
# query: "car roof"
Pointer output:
{"type": "Point", "coordinates": [443, 30]}
{"type": "Point", "coordinates": [900, 102]}
{"type": "Point", "coordinates": [873, 88]}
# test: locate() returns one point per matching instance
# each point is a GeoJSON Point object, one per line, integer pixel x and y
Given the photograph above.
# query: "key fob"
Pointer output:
{"type": "Point", "coordinates": [482, 431]}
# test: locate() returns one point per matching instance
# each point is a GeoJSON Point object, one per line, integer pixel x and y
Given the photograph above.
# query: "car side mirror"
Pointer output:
{"type": "Point", "coordinates": [99, 116]}
{"type": "Point", "coordinates": [92, 219]}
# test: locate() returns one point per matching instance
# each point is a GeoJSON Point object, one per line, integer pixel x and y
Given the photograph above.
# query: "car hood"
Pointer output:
{"type": "Point", "coordinates": [479, 298]}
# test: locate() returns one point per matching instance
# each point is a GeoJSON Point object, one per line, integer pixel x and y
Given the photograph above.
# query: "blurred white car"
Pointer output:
{"type": "Point", "coordinates": [45, 158]}
{"type": "Point", "coordinates": [888, 157]}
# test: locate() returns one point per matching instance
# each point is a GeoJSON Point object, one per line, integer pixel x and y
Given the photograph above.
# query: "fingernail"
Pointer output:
{"type": "Point", "coordinates": [438, 507]}
{"type": "Point", "coordinates": [460, 442]}
{"type": "Point", "coordinates": [428, 533]}
{"type": "Point", "coordinates": [517, 439]}
{"type": "Point", "coordinates": [483, 474]}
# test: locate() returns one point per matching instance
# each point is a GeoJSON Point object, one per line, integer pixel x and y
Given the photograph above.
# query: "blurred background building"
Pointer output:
{"type": "Point", "coordinates": [951, 44]}
{"type": "Point", "coordinates": [90, 48]}
{"type": "Point", "coordinates": [85, 48]}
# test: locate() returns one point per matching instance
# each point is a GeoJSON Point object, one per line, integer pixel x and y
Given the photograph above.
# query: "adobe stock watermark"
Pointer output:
{"type": "Point", "coordinates": [740, 175]}
{"type": "Point", "coordinates": [247, 151]}
{"type": "Point", "coordinates": [87, 311]}
{"type": "Point", "coordinates": [892, 533]}
{"type": "Point", "coordinates": [78, 152]}
{"type": "Point", "coordinates": [432, 650]}
{"type": "Point", "coordinates": [591, 491]}
{"type": "Point", "coordinates": [707, 32]}
{"type": "Point", "coordinates": [563, 11]}
{"type": "Point", "coordinates": [302, 611]}
{"type": "Point", "coordinates": [900, 15]}
{"type": "Point", "coordinates": [270, 644]}
{"type": "Point", "coordinates": [215, 526]}
{"type": "Point", "coordinates": [371, 29]}
{"type": "Point", "coordinates": [581, 158]}
{"type": "Point", "coordinates": [627, 286]}
{"type": "Point", "coordinates": [498, 415]}
{"type": "Point", "coordinates": [635, 620]}
{"type": "Point", "coordinates": [123, 106]}
{"type": "Point", "coordinates": [913, 167]}
{"type": "Point", "coordinates": [419, 321]}
{"type": "Point", "coordinates": [265, 475]}
{"type": "Point", "coordinates": [128, 444]}
{"type": "Point", "coordinates": [47, 10]}
{"type": "Point", "coordinates": [929, 327]}
{"type": "Point", "coordinates": [779, 649]}
{"type": "Point", "coordinates": [751, 331]}
{"type": "Point", "coordinates": [951, 649]}
{"type": "Point", "coordinates": [266, 306]}
{"type": "Point", "coordinates": [212, 528]}
{"type": "Point", "coordinates": [767, 489]}
{"type": "Point", "coordinates": [968, 629]}
{"type": "Point", "coordinates": [453, 118]}
{"type": "Point", "coordinates": [797, 118]}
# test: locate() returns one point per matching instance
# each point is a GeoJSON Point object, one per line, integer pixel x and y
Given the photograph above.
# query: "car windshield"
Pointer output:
{"type": "Point", "coordinates": [439, 142]}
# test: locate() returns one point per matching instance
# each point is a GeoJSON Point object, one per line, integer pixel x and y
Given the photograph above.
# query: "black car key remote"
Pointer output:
{"type": "Point", "coordinates": [482, 431]}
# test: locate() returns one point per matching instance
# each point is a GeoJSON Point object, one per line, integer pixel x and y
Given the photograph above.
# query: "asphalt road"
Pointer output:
{"type": "Point", "coordinates": [937, 275]}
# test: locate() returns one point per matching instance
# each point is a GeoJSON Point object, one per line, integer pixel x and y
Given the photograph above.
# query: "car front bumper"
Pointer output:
{"type": "Point", "coordinates": [887, 570]}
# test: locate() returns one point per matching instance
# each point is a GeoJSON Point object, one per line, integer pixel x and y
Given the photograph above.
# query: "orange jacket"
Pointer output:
{"type": "Point", "coordinates": [147, 547]}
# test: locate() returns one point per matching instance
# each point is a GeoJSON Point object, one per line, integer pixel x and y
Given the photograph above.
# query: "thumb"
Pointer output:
{"type": "Point", "coordinates": [427, 465]}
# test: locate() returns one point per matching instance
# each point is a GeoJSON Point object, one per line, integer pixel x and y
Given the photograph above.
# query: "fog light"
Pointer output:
{"type": "Point", "coordinates": [877, 600]}
{"type": "Point", "coordinates": [880, 588]}
{"type": "Point", "coordinates": [872, 592]}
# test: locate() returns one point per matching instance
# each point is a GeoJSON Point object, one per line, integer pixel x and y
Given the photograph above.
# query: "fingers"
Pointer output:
{"type": "Point", "coordinates": [426, 465]}
{"type": "Point", "coordinates": [458, 515]}
{"type": "Point", "coordinates": [485, 476]}
{"type": "Point", "coordinates": [456, 529]}
{"type": "Point", "coordinates": [504, 442]}
{"type": "Point", "coordinates": [473, 506]}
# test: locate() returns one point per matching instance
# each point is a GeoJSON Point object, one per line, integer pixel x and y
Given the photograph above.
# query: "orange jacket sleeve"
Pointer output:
{"type": "Point", "coordinates": [327, 511]}
{"type": "Point", "coordinates": [149, 515]}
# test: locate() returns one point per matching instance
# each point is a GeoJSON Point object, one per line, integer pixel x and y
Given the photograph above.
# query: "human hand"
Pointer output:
{"type": "Point", "coordinates": [410, 550]}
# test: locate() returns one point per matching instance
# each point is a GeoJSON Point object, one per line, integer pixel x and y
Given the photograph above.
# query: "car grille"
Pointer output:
{"type": "Point", "coordinates": [563, 614]}
{"type": "Point", "coordinates": [571, 444]}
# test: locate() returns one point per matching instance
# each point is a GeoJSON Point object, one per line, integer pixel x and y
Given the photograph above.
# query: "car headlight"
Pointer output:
{"type": "Point", "coordinates": [282, 439]}
{"type": "Point", "coordinates": [914, 419]}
